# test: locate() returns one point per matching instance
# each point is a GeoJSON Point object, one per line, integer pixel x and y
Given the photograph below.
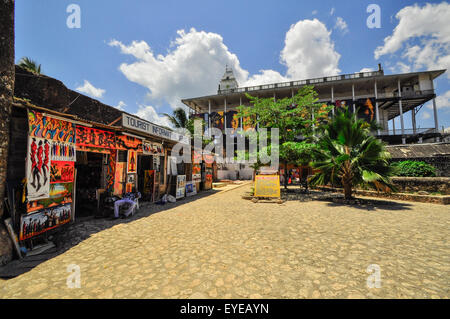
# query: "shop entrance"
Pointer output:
{"type": "Point", "coordinates": [90, 182]}
{"type": "Point", "coordinates": [146, 177]}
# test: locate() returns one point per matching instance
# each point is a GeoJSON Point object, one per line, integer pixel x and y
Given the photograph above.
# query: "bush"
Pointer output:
{"type": "Point", "coordinates": [414, 169]}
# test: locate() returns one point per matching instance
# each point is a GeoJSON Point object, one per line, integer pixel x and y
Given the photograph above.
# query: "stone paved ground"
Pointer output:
{"type": "Point", "coordinates": [222, 246]}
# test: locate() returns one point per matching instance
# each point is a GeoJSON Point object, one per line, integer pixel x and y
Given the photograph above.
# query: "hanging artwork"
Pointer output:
{"type": "Point", "coordinates": [125, 142]}
{"type": "Point", "coordinates": [63, 151]}
{"type": "Point", "coordinates": [149, 182]}
{"type": "Point", "coordinates": [150, 148]}
{"type": "Point", "coordinates": [232, 121]}
{"type": "Point", "coordinates": [47, 203]}
{"type": "Point", "coordinates": [191, 189]}
{"type": "Point", "coordinates": [38, 168]}
{"type": "Point", "coordinates": [61, 190]}
{"type": "Point", "coordinates": [62, 172]}
{"type": "Point", "coordinates": [366, 109]}
{"type": "Point", "coordinates": [132, 162]}
{"type": "Point", "coordinates": [110, 173]}
{"type": "Point", "coordinates": [119, 178]}
{"type": "Point", "coordinates": [181, 186]}
{"type": "Point", "coordinates": [37, 223]}
{"type": "Point", "coordinates": [91, 137]}
{"type": "Point", "coordinates": [217, 120]}
{"type": "Point", "coordinates": [129, 187]}
{"type": "Point", "coordinates": [43, 126]}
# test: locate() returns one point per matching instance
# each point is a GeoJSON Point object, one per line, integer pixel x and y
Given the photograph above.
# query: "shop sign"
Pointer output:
{"type": "Point", "coordinates": [267, 186]}
{"type": "Point", "coordinates": [138, 124]}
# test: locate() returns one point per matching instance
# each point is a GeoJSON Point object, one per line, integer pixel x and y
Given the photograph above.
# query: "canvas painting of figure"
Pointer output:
{"type": "Point", "coordinates": [38, 168]}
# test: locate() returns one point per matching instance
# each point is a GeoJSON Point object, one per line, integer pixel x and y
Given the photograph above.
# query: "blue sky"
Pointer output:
{"type": "Point", "coordinates": [264, 41]}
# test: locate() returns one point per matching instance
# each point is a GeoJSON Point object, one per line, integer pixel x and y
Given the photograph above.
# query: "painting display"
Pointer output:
{"type": "Point", "coordinates": [62, 172]}
{"type": "Point", "coordinates": [132, 162]}
{"type": "Point", "coordinates": [63, 152]}
{"type": "Point", "coordinates": [42, 126]}
{"type": "Point", "coordinates": [38, 168]}
{"type": "Point", "coordinates": [47, 203]}
{"type": "Point", "coordinates": [149, 148]}
{"type": "Point", "coordinates": [149, 182]}
{"type": "Point", "coordinates": [110, 171]}
{"type": "Point", "coordinates": [119, 179]}
{"type": "Point", "coordinates": [37, 223]}
{"type": "Point", "coordinates": [61, 190]}
{"type": "Point", "coordinates": [181, 186]}
{"type": "Point", "coordinates": [91, 137]}
{"type": "Point", "coordinates": [191, 189]}
{"type": "Point", "coordinates": [208, 178]}
{"type": "Point", "coordinates": [125, 142]}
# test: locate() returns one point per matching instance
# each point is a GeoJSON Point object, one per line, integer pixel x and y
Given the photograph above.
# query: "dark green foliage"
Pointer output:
{"type": "Point", "coordinates": [414, 169]}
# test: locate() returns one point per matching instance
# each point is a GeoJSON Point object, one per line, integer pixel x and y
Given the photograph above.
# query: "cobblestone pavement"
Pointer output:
{"type": "Point", "coordinates": [221, 246]}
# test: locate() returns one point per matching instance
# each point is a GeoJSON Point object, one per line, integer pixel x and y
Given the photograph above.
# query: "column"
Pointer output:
{"type": "Point", "coordinates": [376, 106]}
{"type": "Point", "coordinates": [436, 123]}
{"type": "Point", "coordinates": [413, 120]}
{"type": "Point", "coordinates": [332, 99]}
{"type": "Point", "coordinates": [402, 123]}
{"type": "Point", "coordinates": [393, 125]}
{"type": "Point", "coordinates": [209, 115]}
{"type": "Point", "coordinates": [353, 98]}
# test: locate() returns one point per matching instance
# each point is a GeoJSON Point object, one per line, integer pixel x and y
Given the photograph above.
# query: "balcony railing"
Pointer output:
{"type": "Point", "coordinates": [408, 131]}
{"type": "Point", "coordinates": [304, 82]}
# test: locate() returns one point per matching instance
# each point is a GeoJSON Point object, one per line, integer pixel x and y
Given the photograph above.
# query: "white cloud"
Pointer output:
{"type": "Point", "coordinates": [309, 51]}
{"type": "Point", "coordinates": [332, 11]}
{"type": "Point", "coordinates": [366, 70]}
{"type": "Point", "coordinates": [148, 113]}
{"type": "Point", "coordinates": [121, 106]}
{"type": "Point", "coordinates": [425, 34]}
{"type": "Point", "coordinates": [425, 115]}
{"type": "Point", "coordinates": [341, 25]}
{"type": "Point", "coordinates": [400, 67]}
{"type": "Point", "coordinates": [442, 101]}
{"type": "Point", "coordinates": [89, 89]}
{"type": "Point", "coordinates": [314, 12]}
{"type": "Point", "coordinates": [196, 61]}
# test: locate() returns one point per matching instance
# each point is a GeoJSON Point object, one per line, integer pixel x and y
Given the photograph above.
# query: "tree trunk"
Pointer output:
{"type": "Point", "coordinates": [6, 95]}
{"type": "Point", "coordinates": [347, 190]}
{"type": "Point", "coordinates": [285, 175]}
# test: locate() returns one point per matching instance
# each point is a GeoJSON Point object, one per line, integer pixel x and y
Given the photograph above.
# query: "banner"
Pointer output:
{"type": "Point", "coordinates": [125, 142]}
{"type": "Point", "coordinates": [267, 186]}
{"type": "Point", "coordinates": [62, 172]}
{"type": "Point", "coordinates": [132, 162]}
{"type": "Point", "coordinates": [37, 223]}
{"type": "Point", "coordinates": [49, 128]}
{"type": "Point", "coordinates": [38, 168]}
{"type": "Point", "coordinates": [91, 137]}
{"type": "Point", "coordinates": [150, 148]}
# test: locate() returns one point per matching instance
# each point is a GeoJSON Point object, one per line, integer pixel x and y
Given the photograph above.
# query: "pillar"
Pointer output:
{"type": "Point", "coordinates": [332, 99]}
{"type": "Point", "coordinates": [353, 98]}
{"type": "Point", "coordinates": [402, 123]}
{"type": "Point", "coordinates": [377, 113]}
{"type": "Point", "coordinates": [436, 123]}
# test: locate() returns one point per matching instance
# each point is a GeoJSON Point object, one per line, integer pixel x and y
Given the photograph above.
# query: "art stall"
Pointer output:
{"type": "Point", "coordinates": [50, 174]}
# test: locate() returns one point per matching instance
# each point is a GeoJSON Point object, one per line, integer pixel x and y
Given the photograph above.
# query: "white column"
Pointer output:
{"type": "Point", "coordinates": [353, 98]}
{"type": "Point", "coordinates": [393, 125]}
{"type": "Point", "coordinates": [402, 123]}
{"type": "Point", "coordinates": [332, 99]}
{"type": "Point", "coordinates": [413, 119]}
{"type": "Point", "coordinates": [436, 123]}
{"type": "Point", "coordinates": [376, 106]}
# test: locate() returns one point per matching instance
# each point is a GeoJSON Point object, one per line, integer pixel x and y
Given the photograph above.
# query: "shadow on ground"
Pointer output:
{"type": "Point", "coordinates": [71, 235]}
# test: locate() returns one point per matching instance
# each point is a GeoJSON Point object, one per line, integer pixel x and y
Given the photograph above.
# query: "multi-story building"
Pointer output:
{"type": "Point", "coordinates": [374, 94]}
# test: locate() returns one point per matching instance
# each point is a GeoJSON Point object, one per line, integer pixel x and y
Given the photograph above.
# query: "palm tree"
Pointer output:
{"type": "Point", "coordinates": [30, 65]}
{"type": "Point", "coordinates": [349, 154]}
{"type": "Point", "coordinates": [179, 119]}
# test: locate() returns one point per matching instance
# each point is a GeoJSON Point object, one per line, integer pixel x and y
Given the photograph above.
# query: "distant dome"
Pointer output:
{"type": "Point", "coordinates": [228, 81]}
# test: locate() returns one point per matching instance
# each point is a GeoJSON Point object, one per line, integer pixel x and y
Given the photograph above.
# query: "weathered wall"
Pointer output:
{"type": "Point", "coordinates": [427, 184]}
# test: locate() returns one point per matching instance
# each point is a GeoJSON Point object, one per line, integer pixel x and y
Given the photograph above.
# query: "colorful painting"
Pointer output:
{"type": "Point", "coordinates": [181, 186]}
{"type": "Point", "coordinates": [63, 152]}
{"type": "Point", "coordinates": [129, 187]}
{"type": "Point", "coordinates": [232, 121]}
{"type": "Point", "coordinates": [217, 120]}
{"type": "Point", "coordinates": [119, 179]}
{"type": "Point", "coordinates": [91, 137]}
{"type": "Point", "coordinates": [191, 189]}
{"type": "Point", "coordinates": [37, 223]}
{"type": "Point", "coordinates": [61, 190]}
{"type": "Point", "coordinates": [47, 203]}
{"type": "Point", "coordinates": [125, 142]}
{"type": "Point", "coordinates": [111, 168]}
{"type": "Point", "coordinates": [132, 162]}
{"type": "Point", "coordinates": [41, 126]}
{"type": "Point", "coordinates": [62, 172]}
{"type": "Point", "coordinates": [196, 172]}
{"type": "Point", "coordinates": [38, 168]}
{"type": "Point", "coordinates": [149, 148]}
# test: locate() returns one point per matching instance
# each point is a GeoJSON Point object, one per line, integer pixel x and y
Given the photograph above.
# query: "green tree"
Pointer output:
{"type": "Point", "coordinates": [30, 65]}
{"type": "Point", "coordinates": [179, 119]}
{"type": "Point", "coordinates": [347, 153]}
{"type": "Point", "coordinates": [296, 117]}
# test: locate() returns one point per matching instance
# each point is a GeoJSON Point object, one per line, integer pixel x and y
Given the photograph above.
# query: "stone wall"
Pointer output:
{"type": "Point", "coordinates": [423, 184]}
{"type": "Point", "coordinates": [441, 163]}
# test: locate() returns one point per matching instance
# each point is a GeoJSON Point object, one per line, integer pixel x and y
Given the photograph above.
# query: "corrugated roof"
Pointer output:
{"type": "Point", "coordinates": [419, 150]}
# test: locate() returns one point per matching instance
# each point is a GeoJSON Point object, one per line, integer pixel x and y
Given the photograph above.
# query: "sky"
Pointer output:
{"type": "Point", "coordinates": [145, 56]}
